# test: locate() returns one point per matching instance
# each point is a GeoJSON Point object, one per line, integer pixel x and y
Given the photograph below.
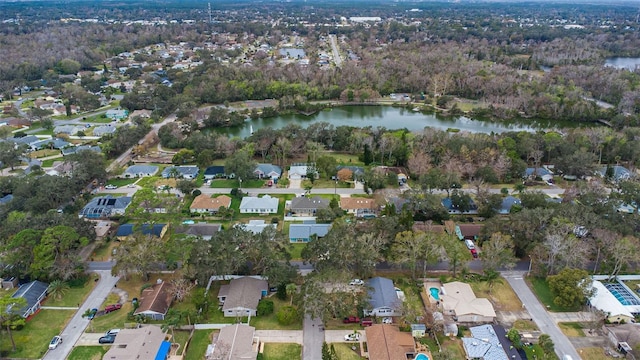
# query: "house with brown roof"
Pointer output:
{"type": "Point", "coordinates": [241, 296]}
{"type": "Point", "coordinates": [386, 342]}
{"type": "Point", "coordinates": [147, 342]}
{"type": "Point", "coordinates": [459, 301]}
{"type": "Point", "coordinates": [358, 206]}
{"type": "Point", "coordinates": [234, 342]}
{"type": "Point", "coordinates": [155, 301]}
{"type": "Point", "coordinates": [204, 203]}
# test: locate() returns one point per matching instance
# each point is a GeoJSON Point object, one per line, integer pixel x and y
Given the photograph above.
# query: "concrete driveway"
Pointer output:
{"type": "Point", "coordinates": [539, 314]}
{"type": "Point", "coordinates": [74, 329]}
{"type": "Point", "coordinates": [280, 336]}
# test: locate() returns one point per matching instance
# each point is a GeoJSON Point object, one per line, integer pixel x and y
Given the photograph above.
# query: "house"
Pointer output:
{"type": "Point", "coordinates": [6, 199]}
{"type": "Point", "coordinates": [76, 149]}
{"type": "Point", "coordinates": [455, 209]}
{"type": "Point", "coordinates": [67, 129]}
{"type": "Point", "coordinates": [398, 203]}
{"type": "Point", "coordinates": [147, 342]}
{"type": "Point", "coordinates": [117, 114]}
{"type": "Point", "coordinates": [507, 203]}
{"type": "Point", "coordinates": [256, 205]}
{"type": "Point", "coordinates": [54, 143]}
{"type": "Point", "coordinates": [383, 298]}
{"type": "Point", "coordinates": [624, 335]}
{"type": "Point", "coordinates": [469, 231]}
{"type": "Point", "coordinates": [105, 206]}
{"type": "Point", "coordinates": [241, 296]}
{"type": "Point", "coordinates": [213, 172]}
{"type": "Point", "coordinates": [608, 303]}
{"type": "Point", "coordinates": [204, 203]}
{"type": "Point", "coordinates": [358, 206]}
{"type": "Point", "coordinates": [189, 172]}
{"type": "Point", "coordinates": [141, 113]}
{"type": "Point", "coordinates": [255, 226]}
{"type": "Point", "coordinates": [357, 171]}
{"type": "Point", "coordinates": [268, 171]}
{"type": "Point", "coordinates": [489, 342]}
{"type": "Point", "coordinates": [203, 230]}
{"type": "Point", "coordinates": [305, 232]}
{"type": "Point", "coordinates": [305, 206]}
{"type": "Point", "coordinates": [540, 172]}
{"type": "Point", "coordinates": [386, 342]}
{"type": "Point", "coordinates": [459, 301]}
{"type": "Point", "coordinates": [299, 171]}
{"type": "Point", "coordinates": [234, 342]}
{"type": "Point", "coordinates": [33, 292]}
{"type": "Point", "coordinates": [155, 301]}
{"type": "Point", "coordinates": [617, 172]}
{"type": "Point", "coordinates": [126, 230]}
{"type": "Point", "coordinates": [135, 171]}
{"type": "Point", "coordinates": [104, 130]}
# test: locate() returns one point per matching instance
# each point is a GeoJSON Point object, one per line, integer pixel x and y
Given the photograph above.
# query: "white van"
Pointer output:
{"type": "Point", "coordinates": [469, 244]}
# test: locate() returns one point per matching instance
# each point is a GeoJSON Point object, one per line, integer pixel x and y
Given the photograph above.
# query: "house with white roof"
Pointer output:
{"type": "Point", "coordinates": [255, 226]}
{"type": "Point", "coordinates": [256, 205]}
{"type": "Point", "coordinates": [458, 300]}
{"type": "Point", "coordinates": [608, 303]}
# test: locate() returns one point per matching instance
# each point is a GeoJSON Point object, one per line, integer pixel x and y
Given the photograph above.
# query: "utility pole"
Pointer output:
{"type": "Point", "coordinates": [209, 8]}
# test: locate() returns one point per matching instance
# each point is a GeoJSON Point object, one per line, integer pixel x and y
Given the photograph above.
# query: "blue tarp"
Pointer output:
{"type": "Point", "coordinates": [163, 351]}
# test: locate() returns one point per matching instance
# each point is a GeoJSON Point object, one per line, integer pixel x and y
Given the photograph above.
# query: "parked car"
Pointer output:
{"type": "Point", "coordinates": [107, 339]}
{"type": "Point", "coordinates": [351, 320]}
{"type": "Point", "coordinates": [112, 307]}
{"type": "Point", "coordinates": [92, 313]}
{"type": "Point", "coordinates": [358, 282]}
{"type": "Point", "coordinates": [110, 187]}
{"type": "Point", "coordinates": [387, 320]}
{"type": "Point", "coordinates": [57, 340]}
{"type": "Point", "coordinates": [366, 322]}
{"type": "Point", "coordinates": [352, 337]}
{"type": "Point", "coordinates": [112, 332]}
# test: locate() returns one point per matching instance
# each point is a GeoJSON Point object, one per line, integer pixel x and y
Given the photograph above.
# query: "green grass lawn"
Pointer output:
{"type": "Point", "coordinates": [273, 351]}
{"type": "Point", "coordinates": [44, 153]}
{"type": "Point", "coordinates": [345, 352]}
{"type": "Point", "coordinates": [74, 296]}
{"type": "Point", "coordinates": [541, 288]}
{"type": "Point", "coordinates": [198, 345]}
{"type": "Point", "coordinates": [32, 341]}
{"type": "Point", "coordinates": [343, 158]}
{"type": "Point", "coordinates": [121, 182]}
{"type": "Point", "coordinates": [88, 352]}
{"type": "Point", "coordinates": [295, 250]}
{"type": "Point", "coordinates": [180, 337]}
{"type": "Point", "coordinates": [571, 329]}
{"type": "Point", "coordinates": [330, 184]}
{"type": "Point", "coordinates": [48, 163]}
{"type": "Point", "coordinates": [536, 352]}
{"type": "Point", "coordinates": [98, 119]}
{"type": "Point", "coordinates": [270, 322]}
{"type": "Point", "coordinates": [232, 183]}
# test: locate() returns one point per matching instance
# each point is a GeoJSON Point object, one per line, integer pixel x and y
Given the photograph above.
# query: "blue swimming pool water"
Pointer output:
{"type": "Point", "coordinates": [622, 294]}
{"type": "Point", "coordinates": [422, 356]}
{"type": "Point", "coordinates": [435, 293]}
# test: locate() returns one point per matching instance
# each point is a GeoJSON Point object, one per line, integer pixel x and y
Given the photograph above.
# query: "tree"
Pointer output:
{"type": "Point", "coordinates": [9, 314]}
{"type": "Point", "coordinates": [11, 153]}
{"type": "Point", "coordinates": [180, 288]}
{"type": "Point", "coordinates": [265, 307]}
{"type": "Point", "coordinates": [139, 254]}
{"type": "Point", "coordinates": [326, 165]}
{"type": "Point", "coordinates": [571, 287]}
{"type": "Point", "coordinates": [287, 315]}
{"type": "Point", "coordinates": [457, 252]}
{"type": "Point", "coordinates": [184, 156]}
{"type": "Point", "coordinates": [291, 290]}
{"type": "Point", "coordinates": [57, 289]}
{"type": "Point", "coordinates": [345, 174]}
{"type": "Point", "coordinates": [497, 253]}
{"type": "Point", "coordinates": [57, 255]}
{"type": "Point", "coordinates": [514, 336]}
{"type": "Point", "coordinates": [241, 164]}
{"type": "Point", "coordinates": [546, 344]}
{"type": "Point", "coordinates": [407, 249]}
{"type": "Point", "coordinates": [186, 186]}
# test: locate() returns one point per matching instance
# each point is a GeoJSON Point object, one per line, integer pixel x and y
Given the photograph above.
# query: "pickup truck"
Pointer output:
{"type": "Point", "coordinates": [351, 320]}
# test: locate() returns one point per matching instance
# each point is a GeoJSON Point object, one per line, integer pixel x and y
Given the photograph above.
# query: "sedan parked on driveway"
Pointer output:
{"type": "Point", "coordinates": [352, 337]}
{"type": "Point", "coordinates": [107, 339]}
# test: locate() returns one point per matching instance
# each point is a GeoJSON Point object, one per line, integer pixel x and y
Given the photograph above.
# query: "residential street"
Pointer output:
{"type": "Point", "coordinates": [313, 337]}
{"type": "Point", "coordinates": [76, 326]}
{"type": "Point", "coordinates": [539, 314]}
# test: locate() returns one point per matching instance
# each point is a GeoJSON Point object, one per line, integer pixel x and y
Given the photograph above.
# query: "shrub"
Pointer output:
{"type": "Point", "coordinates": [265, 307]}
{"type": "Point", "coordinates": [287, 315]}
{"type": "Point", "coordinates": [281, 293]}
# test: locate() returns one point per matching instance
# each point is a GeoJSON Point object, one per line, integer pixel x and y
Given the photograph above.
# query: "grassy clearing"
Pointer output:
{"type": "Point", "coordinates": [88, 352]}
{"type": "Point", "coordinates": [74, 296]}
{"type": "Point", "coordinates": [295, 250]}
{"type": "Point", "coordinates": [270, 322]}
{"type": "Point", "coordinates": [501, 295]}
{"type": "Point", "coordinates": [345, 352]}
{"type": "Point", "coordinates": [593, 353]}
{"type": "Point", "coordinates": [571, 329]}
{"type": "Point", "coordinates": [536, 352]}
{"type": "Point", "coordinates": [104, 250]}
{"type": "Point", "coordinates": [284, 351]}
{"type": "Point", "coordinates": [32, 341]}
{"type": "Point", "coordinates": [525, 325]}
{"type": "Point", "coordinates": [344, 159]}
{"type": "Point", "coordinates": [198, 345]}
{"type": "Point", "coordinates": [97, 119]}
{"type": "Point", "coordinates": [541, 288]}
{"type": "Point", "coordinates": [330, 184]}
{"type": "Point", "coordinates": [44, 153]}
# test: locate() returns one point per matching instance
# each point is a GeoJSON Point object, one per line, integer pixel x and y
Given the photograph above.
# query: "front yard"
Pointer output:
{"type": "Point", "coordinates": [32, 341]}
{"type": "Point", "coordinates": [88, 352]}
{"type": "Point", "coordinates": [273, 351]}
{"type": "Point", "coordinates": [541, 288]}
{"type": "Point", "coordinates": [501, 295]}
{"type": "Point", "coordinates": [74, 296]}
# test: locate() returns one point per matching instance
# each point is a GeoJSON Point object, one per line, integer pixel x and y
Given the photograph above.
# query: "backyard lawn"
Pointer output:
{"type": "Point", "coordinates": [33, 340]}
{"type": "Point", "coordinates": [198, 345]}
{"type": "Point", "coordinates": [541, 288]}
{"type": "Point", "coordinates": [285, 351]}
{"type": "Point", "coordinates": [88, 352]}
{"type": "Point", "coordinates": [295, 250]}
{"type": "Point", "coordinates": [74, 296]}
{"type": "Point", "coordinates": [501, 295]}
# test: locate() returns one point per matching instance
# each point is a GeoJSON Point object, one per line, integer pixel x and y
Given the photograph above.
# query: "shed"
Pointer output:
{"type": "Point", "coordinates": [418, 330]}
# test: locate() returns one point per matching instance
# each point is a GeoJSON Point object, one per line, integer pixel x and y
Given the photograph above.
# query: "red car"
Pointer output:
{"type": "Point", "coordinates": [351, 320]}
{"type": "Point", "coordinates": [366, 322]}
{"type": "Point", "coordinates": [112, 307]}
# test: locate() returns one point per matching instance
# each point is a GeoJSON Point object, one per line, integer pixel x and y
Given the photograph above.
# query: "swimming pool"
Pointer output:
{"type": "Point", "coordinates": [435, 293]}
{"type": "Point", "coordinates": [422, 356]}
{"type": "Point", "coordinates": [622, 294]}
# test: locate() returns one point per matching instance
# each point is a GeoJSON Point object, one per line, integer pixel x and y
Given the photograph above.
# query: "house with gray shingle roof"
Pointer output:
{"type": "Point", "coordinates": [507, 203]}
{"type": "Point", "coordinates": [105, 206]}
{"type": "Point", "coordinates": [268, 171]}
{"type": "Point", "coordinates": [67, 129]}
{"type": "Point", "coordinates": [256, 205]}
{"type": "Point", "coordinates": [383, 298]}
{"type": "Point", "coordinates": [104, 130]}
{"type": "Point", "coordinates": [33, 292]}
{"type": "Point", "coordinates": [241, 296]}
{"type": "Point", "coordinates": [140, 171]}
{"type": "Point", "coordinates": [76, 149]}
{"type": "Point", "coordinates": [305, 206]}
{"type": "Point", "coordinates": [184, 171]}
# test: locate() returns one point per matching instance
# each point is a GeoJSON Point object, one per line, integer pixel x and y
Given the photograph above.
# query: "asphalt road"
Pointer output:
{"type": "Point", "coordinates": [78, 324]}
{"type": "Point", "coordinates": [336, 53]}
{"type": "Point", "coordinates": [312, 338]}
{"type": "Point", "coordinates": [540, 315]}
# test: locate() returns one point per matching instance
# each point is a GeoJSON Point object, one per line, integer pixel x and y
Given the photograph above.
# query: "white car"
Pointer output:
{"type": "Point", "coordinates": [356, 282]}
{"type": "Point", "coordinates": [57, 340]}
{"type": "Point", "coordinates": [352, 337]}
{"type": "Point", "coordinates": [110, 187]}
{"type": "Point", "coordinates": [387, 320]}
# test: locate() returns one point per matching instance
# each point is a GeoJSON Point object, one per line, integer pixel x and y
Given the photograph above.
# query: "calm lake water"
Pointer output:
{"type": "Point", "coordinates": [623, 63]}
{"type": "Point", "coordinates": [385, 116]}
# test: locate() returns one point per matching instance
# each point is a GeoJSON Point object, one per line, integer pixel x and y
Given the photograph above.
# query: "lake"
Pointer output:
{"type": "Point", "coordinates": [623, 63]}
{"type": "Point", "coordinates": [386, 116]}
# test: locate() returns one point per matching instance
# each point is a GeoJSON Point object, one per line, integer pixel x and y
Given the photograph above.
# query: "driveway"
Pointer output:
{"type": "Point", "coordinates": [539, 314]}
{"type": "Point", "coordinates": [280, 336]}
{"type": "Point", "coordinates": [74, 329]}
